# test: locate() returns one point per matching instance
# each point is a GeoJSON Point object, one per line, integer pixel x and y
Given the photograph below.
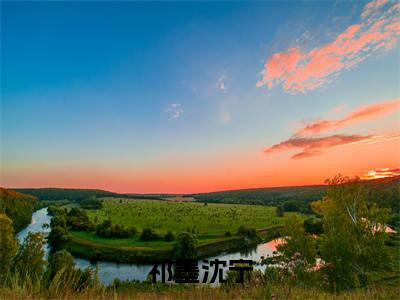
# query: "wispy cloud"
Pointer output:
{"type": "Point", "coordinates": [311, 146]}
{"type": "Point", "coordinates": [380, 173]}
{"type": "Point", "coordinates": [298, 70]}
{"type": "Point", "coordinates": [362, 113]}
{"type": "Point", "coordinates": [174, 110]}
{"type": "Point", "coordinates": [221, 85]}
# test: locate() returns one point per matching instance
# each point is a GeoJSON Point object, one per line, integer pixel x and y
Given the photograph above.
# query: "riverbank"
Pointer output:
{"type": "Point", "coordinates": [94, 251]}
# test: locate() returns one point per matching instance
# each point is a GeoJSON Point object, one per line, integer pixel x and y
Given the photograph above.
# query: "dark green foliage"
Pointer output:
{"type": "Point", "coordinates": [228, 233]}
{"type": "Point", "coordinates": [79, 220]}
{"type": "Point", "coordinates": [247, 232]}
{"type": "Point", "coordinates": [149, 234]}
{"type": "Point", "coordinates": [18, 207]}
{"type": "Point", "coordinates": [59, 220]}
{"type": "Point", "coordinates": [109, 230]}
{"type": "Point", "coordinates": [60, 261]}
{"type": "Point", "coordinates": [385, 192]}
{"type": "Point", "coordinates": [313, 226]}
{"type": "Point", "coordinates": [280, 211]}
{"type": "Point", "coordinates": [185, 246]}
{"type": "Point", "coordinates": [57, 236]}
{"type": "Point", "coordinates": [29, 261]}
{"type": "Point", "coordinates": [266, 196]}
{"type": "Point", "coordinates": [78, 195]}
{"type": "Point", "coordinates": [169, 236]}
{"type": "Point", "coordinates": [8, 247]}
{"type": "Point", "coordinates": [53, 210]}
{"type": "Point", "coordinates": [91, 203]}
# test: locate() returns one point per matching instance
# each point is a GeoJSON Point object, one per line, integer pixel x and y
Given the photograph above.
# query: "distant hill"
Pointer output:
{"type": "Point", "coordinates": [384, 191]}
{"type": "Point", "coordinates": [17, 206]}
{"type": "Point", "coordinates": [76, 195]}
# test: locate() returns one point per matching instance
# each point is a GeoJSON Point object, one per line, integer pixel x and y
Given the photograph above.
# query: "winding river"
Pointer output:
{"type": "Point", "coordinates": [108, 271]}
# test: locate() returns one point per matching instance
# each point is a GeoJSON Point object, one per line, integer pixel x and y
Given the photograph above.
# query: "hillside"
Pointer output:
{"type": "Point", "coordinates": [17, 206]}
{"type": "Point", "coordinates": [76, 195]}
{"type": "Point", "coordinates": [385, 192]}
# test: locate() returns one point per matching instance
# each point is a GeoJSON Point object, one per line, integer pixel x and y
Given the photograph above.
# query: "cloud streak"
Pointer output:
{"type": "Point", "coordinates": [361, 114]}
{"type": "Point", "coordinates": [301, 71]}
{"type": "Point", "coordinates": [380, 173]}
{"type": "Point", "coordinates": [312, 146]}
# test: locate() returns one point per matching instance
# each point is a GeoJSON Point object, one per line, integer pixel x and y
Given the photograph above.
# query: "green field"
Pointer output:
{"type": "Point", "coordinates": [205, 220]}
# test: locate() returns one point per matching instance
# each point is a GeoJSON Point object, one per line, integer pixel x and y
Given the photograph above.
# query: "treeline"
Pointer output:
{"type": "Point", "coordinates": [17, 206]}
{"type": "Point", "coordinates": [76, 195]}
{"type": "Point", "coordinates": [265, 196]}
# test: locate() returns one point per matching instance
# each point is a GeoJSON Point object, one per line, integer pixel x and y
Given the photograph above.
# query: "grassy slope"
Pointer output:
{"type": "Point", "coordinates": [206, 221]}
{"type": "Point", "coordinates": [211, 222]}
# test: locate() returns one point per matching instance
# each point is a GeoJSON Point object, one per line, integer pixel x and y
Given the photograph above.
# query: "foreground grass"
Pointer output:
{"type": "Point", "coordinates": [255, 291]}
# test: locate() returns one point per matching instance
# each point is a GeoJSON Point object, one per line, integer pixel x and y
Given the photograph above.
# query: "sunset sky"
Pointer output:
{"type": "Point", "coordinates": [182, 97]}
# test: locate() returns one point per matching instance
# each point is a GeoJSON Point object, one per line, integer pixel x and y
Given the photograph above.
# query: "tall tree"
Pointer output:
{"type": "Point", "coordinates": [29, 262]}
{"type": "Point", "coordinates": [353, 242]}
{"type": "Point", "coordinates": [8, 246]}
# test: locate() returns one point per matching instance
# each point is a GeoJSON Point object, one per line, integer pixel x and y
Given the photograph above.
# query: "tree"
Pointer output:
{"type": "Point", "coordinates": [29, 262]}
{"type": "Point", "coordinates": [57, 236]}
{"type": "Point", "coordinates": [353, 242]}
{"type": "Point", "coordinates": [298, 241]}
{"type": "Point", "coordinates": [8, 246]}
{"type": "Point", "coordinates": [185, 245]}
{"type": "Point", "coordinates": [280, 211]}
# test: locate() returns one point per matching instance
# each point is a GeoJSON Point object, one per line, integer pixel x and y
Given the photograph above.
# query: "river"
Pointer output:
{"type": "Point", "coordinates": [108, 271]}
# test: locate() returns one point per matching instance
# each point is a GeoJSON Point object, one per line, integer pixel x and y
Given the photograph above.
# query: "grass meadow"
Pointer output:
{"type": "Point", "coordinates": [205, 220]}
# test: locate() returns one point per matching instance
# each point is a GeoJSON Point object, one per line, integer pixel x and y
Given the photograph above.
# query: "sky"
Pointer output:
{"type": "Point", "coordinates": [187, 97]}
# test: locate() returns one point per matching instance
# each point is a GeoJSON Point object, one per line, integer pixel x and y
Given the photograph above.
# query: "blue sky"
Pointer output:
{"type": "Point", "coordinates": [127, 88]}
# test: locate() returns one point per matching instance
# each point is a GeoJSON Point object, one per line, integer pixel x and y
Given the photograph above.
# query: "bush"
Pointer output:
{"type": "Point", "coordinates": [247, 232]}
{"type": "Point", "coordinates": [57, 236]}
{"type": "Point", "coordinates": [108, 230]}
{"type": "Point", "coordinates": [91, 203]}
{"type": "Point", "coordinates": [228, 233]}
{"type": "Point", "coordinates": [149, 234]}
{"type": "Point", "coordinates": [79, 220]}
{"type": "Point", "coordinates": [185, 246]}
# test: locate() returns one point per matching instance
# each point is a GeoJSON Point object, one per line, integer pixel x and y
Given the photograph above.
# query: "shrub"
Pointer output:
{"type": "Point", "coordinates": [185, 246]}
{"type": "Point", "coordinates": [247, 232]}
{"type": "Point", "coordinates": [109, 230]}
{"type": "Point", "coordinates": [149, 234]}
{"type": "Point", "coordinates": [57, 236]}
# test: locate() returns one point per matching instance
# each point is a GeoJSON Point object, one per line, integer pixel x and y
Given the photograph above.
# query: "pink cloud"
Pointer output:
{"type": "Point", "coordinates": [362, 113]}
{"type": "Point", "coordinates": [300, 71]}
{"type": "Point", "coordinates": [311, 146]}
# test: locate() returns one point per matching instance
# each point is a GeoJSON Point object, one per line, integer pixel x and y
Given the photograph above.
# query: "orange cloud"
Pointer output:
{"type": "Point", "coordinates": [312, 146]}
{"type": "Point", "coordinates": [299, 71]}
{"type": "Point", "coordinates": [380, 173]}
{"type": "Point", "coordinates": [360, 114]}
